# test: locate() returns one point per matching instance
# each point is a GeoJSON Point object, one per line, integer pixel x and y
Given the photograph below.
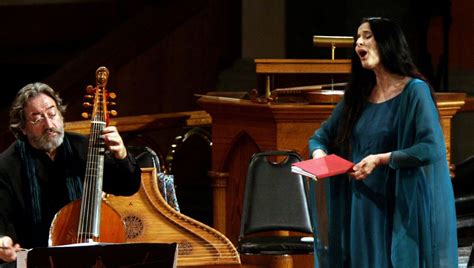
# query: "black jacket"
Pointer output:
{"type": "Point", "coordinates": [121, 177]}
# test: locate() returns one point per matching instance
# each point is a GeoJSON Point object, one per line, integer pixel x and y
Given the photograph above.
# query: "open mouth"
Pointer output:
{"type": "Point", "coordinates": [362, 53]}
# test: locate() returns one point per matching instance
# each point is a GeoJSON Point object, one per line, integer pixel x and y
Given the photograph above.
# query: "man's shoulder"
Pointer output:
{"type": "Point", "coordinates": [77, 142]}
{"type": "Point", "coordinates": [9, 156]}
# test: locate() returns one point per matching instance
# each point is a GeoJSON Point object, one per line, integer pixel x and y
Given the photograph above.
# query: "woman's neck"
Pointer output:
{"type": "Point", "coordinates": [387, 86]}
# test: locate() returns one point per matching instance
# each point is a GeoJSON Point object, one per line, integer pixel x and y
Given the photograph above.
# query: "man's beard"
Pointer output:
{"type": "Point", "coordinates": [47, 143]}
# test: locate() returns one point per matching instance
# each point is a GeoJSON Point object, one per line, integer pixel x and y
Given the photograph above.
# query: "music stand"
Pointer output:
{"type": "Point", "coordinates": [98, 255]}
{"type": "Point", "coordinates": [470, 262]}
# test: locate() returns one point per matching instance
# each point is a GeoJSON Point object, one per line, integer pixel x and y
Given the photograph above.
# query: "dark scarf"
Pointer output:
{"type": "Point", "coordinates": [73, 183]}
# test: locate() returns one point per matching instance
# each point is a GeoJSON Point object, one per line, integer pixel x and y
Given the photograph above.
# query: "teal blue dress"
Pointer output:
{"type": "Point", "coordinates": [401, 215]}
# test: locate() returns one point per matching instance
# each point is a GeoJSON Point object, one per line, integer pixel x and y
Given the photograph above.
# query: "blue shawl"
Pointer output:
{"type": "Point", "coordinates": [424, 221]}
{"type": "Point", "coordinates": [424, 228]}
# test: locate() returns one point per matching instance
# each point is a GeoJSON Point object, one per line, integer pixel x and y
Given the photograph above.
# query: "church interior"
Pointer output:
{"type": "Point", "coordinates": [186, 73]}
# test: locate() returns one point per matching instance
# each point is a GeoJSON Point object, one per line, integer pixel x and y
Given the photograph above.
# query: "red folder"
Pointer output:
{"type": "Point", "coordinates": [323, 167]}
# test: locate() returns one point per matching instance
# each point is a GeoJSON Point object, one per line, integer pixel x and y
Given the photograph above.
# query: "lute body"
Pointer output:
{"type": "Point", "coordinates": [64, 229]}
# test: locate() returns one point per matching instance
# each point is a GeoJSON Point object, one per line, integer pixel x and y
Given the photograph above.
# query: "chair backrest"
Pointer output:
{"type": "Point", "coordinates": [145, 157]}
{"type": "Point", "coordinates": [274, 198]}
{"type": "Point", "coordinates": [189, 160]}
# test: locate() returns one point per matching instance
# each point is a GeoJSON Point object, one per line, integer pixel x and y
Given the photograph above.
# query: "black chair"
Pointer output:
{"type": "Point", "coordinates": [147, 158]}
{"type": "Point", "coordinates": [463, 185]}
{"type": "Point", "coordinates": [275, 199]}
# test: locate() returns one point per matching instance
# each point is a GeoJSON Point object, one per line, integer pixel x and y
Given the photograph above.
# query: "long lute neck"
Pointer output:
{"type": "Point", "coordinates": [89, 222]}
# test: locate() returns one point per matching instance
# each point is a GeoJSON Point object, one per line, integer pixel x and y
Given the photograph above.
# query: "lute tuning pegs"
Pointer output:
{"type": "Point", "coordinates": [112, 95]}
{"type": "Point", "coordinates": [99, 96]}
{"type": "Point", "coordinates": [85, 115]}
{"type": "Point", "coordinates": [90, 89]}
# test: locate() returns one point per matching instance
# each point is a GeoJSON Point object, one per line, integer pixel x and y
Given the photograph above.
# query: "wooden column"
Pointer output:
{"type": "Point", "coordinates": [448, 105]}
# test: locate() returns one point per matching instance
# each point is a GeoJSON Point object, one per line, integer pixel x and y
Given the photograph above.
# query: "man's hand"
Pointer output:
{"type": "Point", "coordinates": [114, 143]}
{"type": "Point", "coordinates": [8, 250]}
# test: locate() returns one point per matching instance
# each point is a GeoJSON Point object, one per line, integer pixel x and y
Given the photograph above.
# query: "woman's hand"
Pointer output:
{"type": "Point", "coordinates": [365, 167]}
{"type": "Point", "coordinates": [8, 250]}
{"type": "Point", "coordinates": [318, 153]}
{"type": "Point", "coordinates": [114, 142]}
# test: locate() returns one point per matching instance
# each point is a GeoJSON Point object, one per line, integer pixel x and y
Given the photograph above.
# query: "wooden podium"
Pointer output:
{"type": "Point", "coordinates": [241, 128]}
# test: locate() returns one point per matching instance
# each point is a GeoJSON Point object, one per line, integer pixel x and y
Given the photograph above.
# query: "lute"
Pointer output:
{"type": "Point", "coordinates": [90, 219]}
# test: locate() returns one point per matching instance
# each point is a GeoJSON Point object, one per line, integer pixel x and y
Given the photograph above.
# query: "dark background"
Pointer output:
{"type": "Point", "coordinates": [162, 52]}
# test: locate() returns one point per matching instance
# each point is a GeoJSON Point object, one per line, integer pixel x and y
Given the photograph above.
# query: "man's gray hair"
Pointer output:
{"type": "Point", "coordinates": [17, 116]}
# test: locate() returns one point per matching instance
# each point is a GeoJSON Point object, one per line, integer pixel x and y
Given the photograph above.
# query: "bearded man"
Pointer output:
{"type": "Point", "coordinates": [43, 169]}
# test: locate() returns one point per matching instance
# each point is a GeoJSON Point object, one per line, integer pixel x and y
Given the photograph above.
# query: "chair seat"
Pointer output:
{"type": "Point", "coordinates": [275, 245]}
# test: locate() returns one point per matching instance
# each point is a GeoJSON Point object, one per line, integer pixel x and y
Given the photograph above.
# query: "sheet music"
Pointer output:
{"type": "Point", "coordinates": [21, 258]}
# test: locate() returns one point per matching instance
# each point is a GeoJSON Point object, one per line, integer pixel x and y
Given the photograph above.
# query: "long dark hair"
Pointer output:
{"type": "Point", "coordinates": [394, 56]}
